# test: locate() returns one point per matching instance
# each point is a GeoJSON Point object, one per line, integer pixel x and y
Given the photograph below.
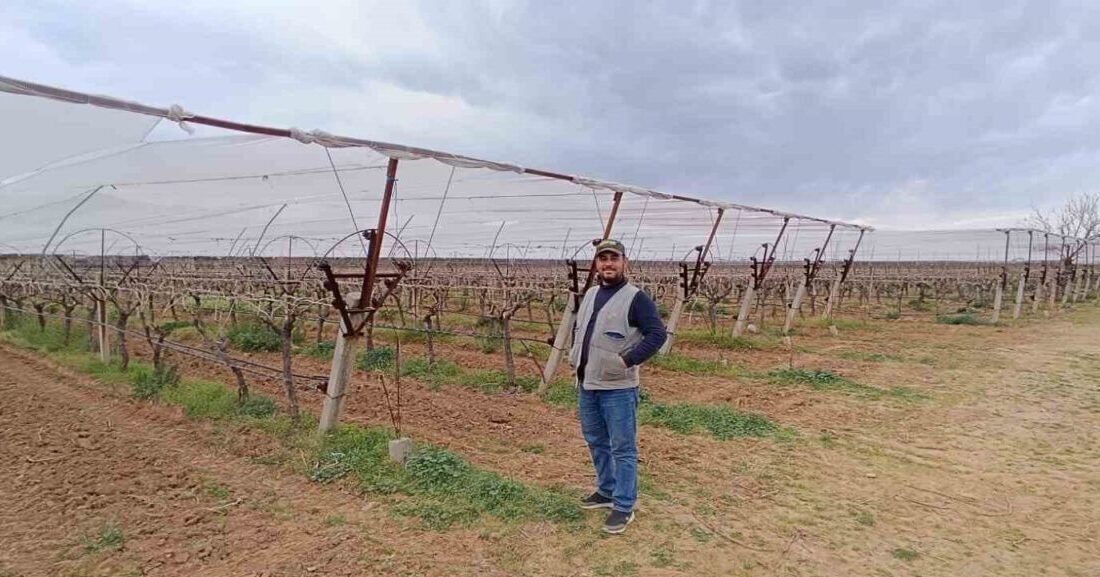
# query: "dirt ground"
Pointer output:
{"type": "Point", "coordinates": [996, 472]}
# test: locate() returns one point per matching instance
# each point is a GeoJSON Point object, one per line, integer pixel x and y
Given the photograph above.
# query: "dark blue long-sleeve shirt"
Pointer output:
{"type": "Point", "coordinates": [643, 315]}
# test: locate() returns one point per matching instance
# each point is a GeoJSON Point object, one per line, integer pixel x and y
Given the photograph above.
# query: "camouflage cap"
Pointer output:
{"type": "Point", "coordinates": [611, 245]}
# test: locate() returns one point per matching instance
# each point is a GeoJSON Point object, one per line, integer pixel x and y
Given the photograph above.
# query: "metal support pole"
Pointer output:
{"type": "Point", "coordinates": [101, 304]}
{"type": "Point", "coordinates": [1023, 279]}
{"type": "Point", "coordinates": [1078, 283]}
{"type": "Point", "coordinates": [811, 274]}
{"type": "Point", "coordinates": [1002, 283]}
{"type": "Point", "coordinates": [1087, 269]}
{"type": "Point", "coordinates": [691, 286]}
{"type": "Point", "coordinates": [380, 232]}
{"type": "Point", "coordinates": [834, 290]}
{"type": "Point", "coordinates": [565, 329]}
{"type": "Point", "coordinates": [344, 355]}
{"type": "Point", "coordinates": [1064, 270]}
{"type": "Point", "coordinates": [1043, 276]}
{"type": "Point", "coordinates": [759, 273]}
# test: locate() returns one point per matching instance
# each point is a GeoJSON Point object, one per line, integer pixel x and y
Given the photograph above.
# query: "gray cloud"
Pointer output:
{"type": "Point", "coordinates": [906, 113]}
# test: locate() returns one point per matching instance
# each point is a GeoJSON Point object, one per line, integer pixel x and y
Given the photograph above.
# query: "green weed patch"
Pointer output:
{"type": "Point", "coordinates": [961, 319]}
{"type": "Point", "coordinates": [254, 338]}
{"type": "Point", "coordinates": [721, 422]}
{"type": "Point", "coordinates": [820, 380]}
{"type": "Point", "coordinates": [436, 485]}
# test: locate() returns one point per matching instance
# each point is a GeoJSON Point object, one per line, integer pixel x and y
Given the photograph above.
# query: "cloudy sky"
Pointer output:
{"type": "Point", "coordinates": [901, 113]}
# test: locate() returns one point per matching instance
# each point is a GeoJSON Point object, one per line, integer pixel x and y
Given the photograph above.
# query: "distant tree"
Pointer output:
{"type": "Point", "coordinates": [1078, 219]}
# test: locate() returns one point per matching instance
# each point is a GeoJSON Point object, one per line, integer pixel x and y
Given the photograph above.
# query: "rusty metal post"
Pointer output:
{"type": "Point", "coordinates": [689, 287]}
{"type": "Point", "coordinates": [759, 273]}
{"type": "Point", "coordinates": [344, 356]}
{"type": "Point", "coordinates": [834, 290]}
{"type": "Point", "coordinates": [367, 292]}
{"type": "Point", "coordinates": [811, 273]}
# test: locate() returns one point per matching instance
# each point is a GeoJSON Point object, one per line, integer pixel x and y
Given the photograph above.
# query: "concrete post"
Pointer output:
{"type": "Point", "coordinates": [561, 341]}
{"type": "Point", "coordinates": [1038, 297]}
{"type": "Point", "coordinates": [343, 358]}
{"type": "Point", "coordinates": [673, 323]}
{"type": "Point", "coordinates": [794, 306]}
{"type": "Point", "coordinates": [834, 292]}
{"type": "Point", "coordinates": [743, 313]}
{"type": "Point", "coordinates": [1077, 286]}
{"type": "Point", "coordinates": [1019, 297]}
{"type": "Point", "coordinates": [104, 334]}
{"type": "Point", "coordinates": [998, 298]}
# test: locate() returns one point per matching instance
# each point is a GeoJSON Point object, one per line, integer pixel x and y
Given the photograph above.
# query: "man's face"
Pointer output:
{"type": "Point", "coordinates": [611, 267]}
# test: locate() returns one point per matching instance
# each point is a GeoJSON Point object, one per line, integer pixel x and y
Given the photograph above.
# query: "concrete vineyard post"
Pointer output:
{"type": "Point", "coordinates": [746, 308]}
{"type": "Point", "coordinates": [794, 306]}
{"type": "Point", "coordinates": [673, 322]}
{"type": "Point", "coordinates": [343, 359]}
{"type": "Point", "coordinates": [1019, 296]}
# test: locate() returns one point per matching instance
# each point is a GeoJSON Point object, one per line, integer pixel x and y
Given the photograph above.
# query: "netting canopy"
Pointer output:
{"type": "Point", "coordinates": [86, 163]}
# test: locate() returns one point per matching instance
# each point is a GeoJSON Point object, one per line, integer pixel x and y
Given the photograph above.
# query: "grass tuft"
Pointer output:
{"type": "Point", "coordinates": [257, 407]}
{"type": "Point", "coordinates": [149, 384]}
{"type": "Point", "coordinates": [905, 554]}
{"type": "Point", "coordinates": [722, 340]}
{"type": "Point", "coordinates": [562, 393]}
{"type": "Point", "coordinates": [203, 399]}
{"type": "Point", "coordinates": [254, 338]}
{"type": "Point", "coordinates": [376, 359]}
{"type": "Point", "coordinates": [109, 538]}
{"type": "Point", "coordinates": [829, 381]}
{"type": "Point", "coordinates": [441, 488]}
{"type": "Point", "coordinates": [720, 421]}
{"type": "Point", "coordinates": [961, 319]}
{"type": "Point", "coordinates": [322, 350]}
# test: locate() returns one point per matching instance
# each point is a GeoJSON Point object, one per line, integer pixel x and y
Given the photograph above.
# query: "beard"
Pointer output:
{"type": "Point", "coordinates": [611, 277]}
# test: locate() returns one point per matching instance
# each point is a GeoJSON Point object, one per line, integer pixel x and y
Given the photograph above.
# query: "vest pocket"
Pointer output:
{"type": "Point", "coordinates": [606, 358]}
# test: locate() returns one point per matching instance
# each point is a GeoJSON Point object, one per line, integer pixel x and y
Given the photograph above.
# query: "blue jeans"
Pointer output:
{"type": "Point", "coordinates": [609, 421]}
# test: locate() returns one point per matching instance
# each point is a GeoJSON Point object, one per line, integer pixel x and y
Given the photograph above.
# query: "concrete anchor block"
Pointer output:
{"type": "Point", "coordinates": [401, 449]}
{"type": "Point", "coordinates": [833, 330]}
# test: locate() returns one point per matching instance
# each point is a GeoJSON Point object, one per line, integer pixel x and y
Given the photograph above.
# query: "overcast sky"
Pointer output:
{"type": "Point", "coordinates": [905, 114]}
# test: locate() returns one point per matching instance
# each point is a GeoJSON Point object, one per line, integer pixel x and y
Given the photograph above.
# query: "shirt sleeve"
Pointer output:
{"type": "Point", "coordinates": [647, 319]}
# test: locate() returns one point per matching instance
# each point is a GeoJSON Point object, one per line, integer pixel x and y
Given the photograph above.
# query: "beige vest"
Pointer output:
{"type": "Point", "coordinates": [612, 336]}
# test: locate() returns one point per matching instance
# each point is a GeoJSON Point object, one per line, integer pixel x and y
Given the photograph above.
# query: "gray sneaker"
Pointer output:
{"type": "Point", "coordinates": [617, 521]}
{"type": "Point", "coordinates": [596, 501]}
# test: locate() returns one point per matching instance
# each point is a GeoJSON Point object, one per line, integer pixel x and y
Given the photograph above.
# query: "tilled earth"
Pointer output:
{"type": "Point", "coordinates": [995, 472]}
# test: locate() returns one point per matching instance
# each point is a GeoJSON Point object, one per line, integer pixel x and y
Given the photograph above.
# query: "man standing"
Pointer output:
{"type": "Point", "coordinates": [618, 328]}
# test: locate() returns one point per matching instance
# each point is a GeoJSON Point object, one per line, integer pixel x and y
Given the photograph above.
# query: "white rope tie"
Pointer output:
{"type": "Point", "coordinates": [177, 114]}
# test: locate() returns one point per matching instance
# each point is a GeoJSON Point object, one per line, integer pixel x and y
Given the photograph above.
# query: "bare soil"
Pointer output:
{"type": "Point", "coordinates": [996, 472]}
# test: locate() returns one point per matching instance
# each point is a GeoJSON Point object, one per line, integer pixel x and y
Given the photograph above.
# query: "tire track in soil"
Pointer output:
{"type": "Point", "coordinates": [73, 460]}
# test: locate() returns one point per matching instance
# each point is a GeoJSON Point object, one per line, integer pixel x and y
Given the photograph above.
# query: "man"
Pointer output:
{"type": "Point", "coordinates": [618, 328]}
